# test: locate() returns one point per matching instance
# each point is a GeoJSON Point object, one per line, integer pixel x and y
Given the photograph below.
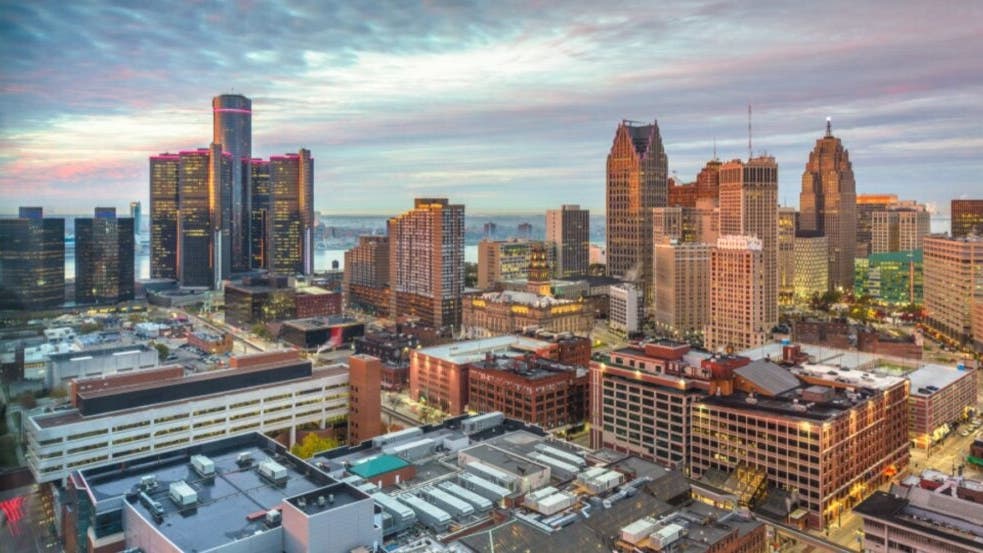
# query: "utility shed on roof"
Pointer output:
{"type": "Point", "coordinates": [768, 378]}
{"type": "Point", "coordinates": [384, 470]}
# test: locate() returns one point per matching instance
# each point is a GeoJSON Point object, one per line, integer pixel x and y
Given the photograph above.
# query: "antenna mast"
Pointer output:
{"type": "Point", "coordinates": [749, 131]}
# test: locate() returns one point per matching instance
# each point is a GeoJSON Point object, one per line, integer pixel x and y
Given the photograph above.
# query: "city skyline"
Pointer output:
{"type": "Point", "coordinates": [489, 102]}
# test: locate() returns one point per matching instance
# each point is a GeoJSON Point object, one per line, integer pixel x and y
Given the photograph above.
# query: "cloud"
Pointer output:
{"type": "Point", "coordinates": [511, 105]}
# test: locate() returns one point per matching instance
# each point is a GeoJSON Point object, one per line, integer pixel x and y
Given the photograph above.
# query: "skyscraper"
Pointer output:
{"type": "Point", "coordinates": [568, 228]}
{"type": "Point", "coordinates": [260, 214]}
{"type": "Point", "coordinates": [682, 287]}
{"type": "Point", "coordinates": [426, 262]}
{"type": "Point", "coordinates": [636, 182]}
{"type": "Point", "coordinates": [737, 318]}
{"type": "Point", "coordinates": [164, 171]}
{"type": "Point", "coordinates": [291, 242]}
{"type": "Point", "coordinates": [749, 207]}
{"type": "Point", "coordinates": [787, 224]}
{"type": "Point", "coordinates": [201, 243]}
{"type": "Point", "coordinates": [828, 205]}
{"type": "Point", "coordinates": [232, 128]}
{"type": "Point", "coordinates": [103, 257]}
{"type": "Point", "coordinates": [867, 205]}
{"type": "Point", "coordinates": [899, 229]}
{"type": "Point", "coordinates": [136, 213]}
{"type": "Point", "coordinates": [967, 217]}
{"type": "Point", "coordinates": [32, 261]}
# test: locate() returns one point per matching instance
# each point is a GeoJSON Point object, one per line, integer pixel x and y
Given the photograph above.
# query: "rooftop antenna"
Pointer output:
{"type": "Point", "coordinates": [715, 148]}
{"type": "Point", "coordinates": [749, 131]}
{"type": "Point", "coordinates": [829, 127]}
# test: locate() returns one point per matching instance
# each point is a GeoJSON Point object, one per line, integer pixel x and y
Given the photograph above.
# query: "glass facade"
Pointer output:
{"type": "Point", "coordinates": [291, 184]}
{"type": "Point", "coordinates": [32, 261]}
{"type": "Point", "coordinates": [233, 129]}
{"type": "Point", "coordinates": [894, 277]}
{"type": "Point", "coordinates": [104, 264]}
{"type": "Point", "coordinates": [163, 215]}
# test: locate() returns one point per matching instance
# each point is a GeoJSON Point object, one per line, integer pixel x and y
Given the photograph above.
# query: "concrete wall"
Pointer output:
{"type": "Point", "coordinates": [337, 530]}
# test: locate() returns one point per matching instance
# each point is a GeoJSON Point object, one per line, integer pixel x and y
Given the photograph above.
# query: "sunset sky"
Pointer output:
{"type": "Point", "coordinates": [502, 106]}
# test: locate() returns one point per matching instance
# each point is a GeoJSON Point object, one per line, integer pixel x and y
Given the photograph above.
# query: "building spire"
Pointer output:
{"type": "Point", "coordinates": [829, 127]}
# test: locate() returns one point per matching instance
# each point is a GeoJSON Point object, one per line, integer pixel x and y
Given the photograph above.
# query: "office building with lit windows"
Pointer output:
{"type": "Point", "coordinates": [32, 260]}
{"type": "Point", "coordinates": [291, 241]}
{"type": "Point", "coordinates": [164, 171]}
{"type": "Point", "coordinates": [737, 312]}
{"type": "Point", "coordinates": [494, 313]}
{"type": "Point", "coordinates": [810, 265]}
{"type": "Point", "coordinates": [896, 277]}
{"type": "Point", "coordinates": [260, 214]}
{"type": "Point", "coordinates": [900, 229]}
{"type": "Point", "coordinates": [426, 262]}
{"type": "Point", "coordinates": [788, 219]}
{"type": "Point", "coordinates": [967, 218]}
{"type": "Point", "coordinates": [232, 127]}
{"type": "Point", "coordinates": [637, 181]}
{"type": "Point", "coordinates": [508, 260]}
{"type": "Point", "coordinates": [262, 392]}
{"type": "Point", "coordinates": [681, 300]}
{"type": "Point", "coordinates": [104, 269]}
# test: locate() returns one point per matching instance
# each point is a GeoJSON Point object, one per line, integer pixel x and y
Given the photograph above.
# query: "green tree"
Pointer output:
{"type": "Point", "coordinates": [162, 350]}
{"type": "Point", "coordinates": [311, 444]}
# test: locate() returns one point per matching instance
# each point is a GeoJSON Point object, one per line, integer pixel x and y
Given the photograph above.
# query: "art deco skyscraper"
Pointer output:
{"type": "Point", "coordinates": [749, 207]}
{"type": "Point", "coordinates": [104, 257]}
{"type": "Point", "coordinates": [426, 262]}
{"type": "Point", "coordinates": [291, 241]}
{"type": "Point", "coordinates": [636, 183]}
{"type": "Point", "coordinates": [232, 116]}
{"type": "Point", "coordinates": [568, 228]}
{"type": "Point", "coordinates": [828, 205]}
{"type": "Point", "coordinates": [32, 261]}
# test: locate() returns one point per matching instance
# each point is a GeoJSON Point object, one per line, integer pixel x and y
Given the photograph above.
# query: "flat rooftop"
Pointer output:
{"type": "Point", "coordinates": [853, 377]}
{"type": "Point", "coordinates": [503, 459]}
{"type": "Point", "coordinates": [472, 351]}
{"type": "Point", "coordinates": [786, 405]}
{"type": "Point", "coordinates": [224, 501]}
{"type": "Point", "coordinates": [936, 376]}
{"type": "Point", "coordinates": [534, 368]}
{"type": "Point", "coordinates": [822, 355]}
{"type": "Point", "coordinates": [329, 497]}
{"type": "Point", "coordinates": [315, 323]}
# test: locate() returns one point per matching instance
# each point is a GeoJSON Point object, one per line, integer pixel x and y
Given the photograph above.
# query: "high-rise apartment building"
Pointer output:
{"type": "Point", "coordinates": [636, 182]}
{"type": "Point", "coordinates": [164, 171]}
{"type": "Point", "coordinates": [232, 127]}
{"type": "Point", "coordinates": [104, 257]}
{"type": "Point", "coordinates": [32, 260]}
{"type": "Point", "coordinates": [625, 308]}
{"type": "Point", "coordinates": [366, 279]}
{"type": "Point", "coordinates": [737, 319]}
{"type": "Point", "coordinates": [788, 219]}
{"type": "Point", "coordinates": [899, 229]}
{"type": "Point", "coordinates": [828, 205]}
{"type": "Point", "coordinates": [967, 217]}
{"type": "Point", "coordinates": [426, 262]}
{"type": "Point", "coordinates": [568, 228]}
{"type": "Point", "coordinates": [682, 287]}
{"type": "Point", "coordinates": [749, 207]}
{"type": "Point", "coordinates": [953, 278]}
{"type": "Point", "coordinates": [867, 205]}
{"type": "Point", "coordinates": [261, 214]}
{"type": "Point", "coordinates": [291, 241]}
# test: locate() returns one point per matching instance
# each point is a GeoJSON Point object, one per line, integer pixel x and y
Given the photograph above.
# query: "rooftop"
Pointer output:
{"type": "Point", "coordinates": [930, 379]}
{"type": "Point", "coordinates": [524, 298]}
{"type": "Point", "coordinates": [224, 501]}
{"type": "Point", "coordinates": [529, 367]}
{"type": "Point", "coordinates": [374, 466]}
{"type": "Point", "coordinates": [921, 510]}
{"type": "Point", "coordinates": [472, 351]}
{"type": "Point", "coordinates": [313, 323]}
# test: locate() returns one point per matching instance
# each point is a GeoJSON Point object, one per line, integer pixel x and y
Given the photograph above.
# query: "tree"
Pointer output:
{"type": "Point", "coordinates": [311, 444]}
{"type": "Point", "coordinates": [259, 329]}
{"type": "Point", "coordinates": [162, 350]}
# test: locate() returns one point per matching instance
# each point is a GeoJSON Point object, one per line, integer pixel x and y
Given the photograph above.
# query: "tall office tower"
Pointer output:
{"type": "Point", "coordinates": [568, 228]}
{"type": "Point", "coordinates": [708, 181]}
{"type": "Point", "coordinates": [260, 214]}
{"type": "Point", "coordinates": [103, 257]}
{"type": "Point", "coordinates": [810, 273]}
{"type": "Point", "coordinates": [899, 229]}
{"type": "Point", "coordinates": [426, 262]}
{"type": "Point", "coordinates": [708, 202]}
{"type": "Point", "coordinates": [636, 182]}
{"type": "Point", "coordinates": [232, 127]}
{"type": "Point", "coordinates": [749, 207]}
{"type": "Point", "coordinates": [828, 205]}
{"type": "Point", "coordinates": [953, 279]}
{"type": "Point", "coordinates": [32, 261]}
{"type": "Point", "coordinates": [365, 283]}
{"type": "Point", "coordinates": [867, 205]}
{"type": "Point", "coordinates": [967, 217]}
{"type": "Point", "coordinates": [682, 287]}
{"type": "Point", "coordinates": [292, 208]}
{"type": "Point", "coordinates": [164, 171]}
{"type": "Point", "coordinates": [681, 194]}
{"type": "Point", "coordinates": [787, 224]}
{"type": "Point", "coordinates": [137, 216]}
{"type": "Point", "coordinates": [738, 319]}
{"type": "Point", "coordinates": [679, 224]}
{"type": "Point", "coordinates": [204, 194]}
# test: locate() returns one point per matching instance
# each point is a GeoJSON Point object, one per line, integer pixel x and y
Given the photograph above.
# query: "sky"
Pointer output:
{"type": "Point", "coordinates": [503, 106]}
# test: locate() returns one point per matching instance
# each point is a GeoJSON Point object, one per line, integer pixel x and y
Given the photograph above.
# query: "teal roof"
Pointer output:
{"type": "Point", "coordinates": [377, 465]}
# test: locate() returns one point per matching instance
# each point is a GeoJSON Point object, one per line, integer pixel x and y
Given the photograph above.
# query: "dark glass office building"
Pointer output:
{"type": "Point", "coordinates": [32, 261]}
{"type": "Point", "coordinates": [232, 126]}
{"type": "Point", "coordinates": [103, 258]}
{"type": "Point", "coordinates": [259, 223]}
{"type": "Point", "coordinates": [292, 211]}
{"type": "Point", "coordinates": [163, 215]}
